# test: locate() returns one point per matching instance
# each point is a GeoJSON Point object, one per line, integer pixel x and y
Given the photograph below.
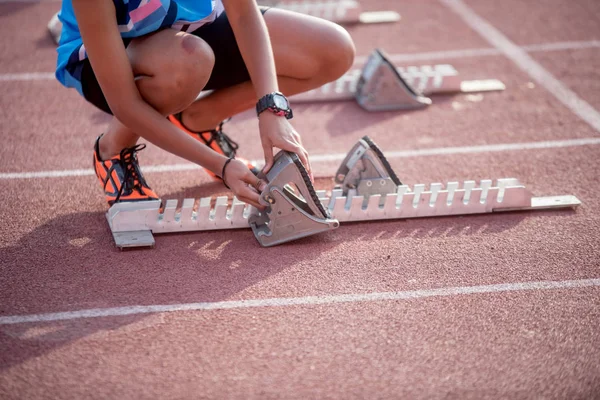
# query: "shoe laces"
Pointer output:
{"type": "Point", "coordinates": [221, 138]}
{"type": "Point", "coordinates": [132, 176]}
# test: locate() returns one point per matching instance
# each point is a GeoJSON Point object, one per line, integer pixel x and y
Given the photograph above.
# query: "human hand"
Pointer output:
{"type": "Point", "coordinates": [243, 183]}
{"type": "Point", "coordinates": [276, 131]}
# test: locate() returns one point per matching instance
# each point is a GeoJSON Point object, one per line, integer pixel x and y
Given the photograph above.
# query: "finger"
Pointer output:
{"type": "Point", "coordinates": [303, 155]}
{"type": "Point", "coordinates": [254, 182]}
{"type": "Point", "coordinates": [309, 167]}
{"type": "Point", "coordinates": [252, 203]}
{"type": "Point", "coordinates": [268, 150]}
{"type": "Point", "coordinates": [251, 197]}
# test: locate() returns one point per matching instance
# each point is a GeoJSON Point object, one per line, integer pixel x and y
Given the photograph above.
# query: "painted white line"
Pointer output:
{"type": "Point", "coordinates": [30, 76]}
{"type": "Point", "coordinates": [397, 58]}
{"type": "Point", "coordinates": [295, 301]}
{"type": "Point", "coordinates": [562, 46]}
{"type": "Point", "coordinates": [484, 52]}
{"type": "Point", "coordinates": [525, 62]}
{"type": "Point", "coordinates": [317, 158]}
{"type": "Point", "coordinates": [29, 1]}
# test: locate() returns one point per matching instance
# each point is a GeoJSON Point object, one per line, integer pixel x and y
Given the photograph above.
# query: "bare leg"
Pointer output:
{"type": "Point", "coordinates": [308, 51]}
{"type": "Point", "coordinates": [172, 68]}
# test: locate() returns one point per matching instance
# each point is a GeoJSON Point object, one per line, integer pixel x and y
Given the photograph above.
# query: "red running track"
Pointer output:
{"type": "Point", "coordinates": [519, 340]}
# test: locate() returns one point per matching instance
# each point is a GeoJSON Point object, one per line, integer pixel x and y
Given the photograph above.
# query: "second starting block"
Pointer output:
{"type": "Point", "coordinates": [381, 86]}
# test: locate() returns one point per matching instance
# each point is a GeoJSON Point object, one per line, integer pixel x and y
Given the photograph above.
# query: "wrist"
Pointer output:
{"type": "Point", "coordinates": [224, 170]}
{"type": "Point", "coordinates": [274, 103]}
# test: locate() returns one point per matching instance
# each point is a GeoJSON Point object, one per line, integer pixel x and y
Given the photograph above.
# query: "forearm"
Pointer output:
{"type": "Point", "coordinates": [253, 41]}
{"type": "Point", "coordinates": [142, 119]}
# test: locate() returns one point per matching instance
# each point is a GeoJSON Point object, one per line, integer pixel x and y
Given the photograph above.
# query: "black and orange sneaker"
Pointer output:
{"type": "Point", "coordinates": [216, 139]}
{"type": "Point", "coordinates": [121, 177]}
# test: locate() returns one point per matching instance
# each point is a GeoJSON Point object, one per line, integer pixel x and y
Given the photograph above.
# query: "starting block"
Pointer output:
{"type": "Point", "coordinates": [339, 11]}
{"type": "Point", "coordinates": [381, 86]}
{"type": "Point", "coordinates": [367, 190]}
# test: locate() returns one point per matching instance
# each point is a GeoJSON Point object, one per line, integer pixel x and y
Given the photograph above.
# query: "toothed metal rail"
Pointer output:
{"type": "Point", "coordinates": [368, 190]}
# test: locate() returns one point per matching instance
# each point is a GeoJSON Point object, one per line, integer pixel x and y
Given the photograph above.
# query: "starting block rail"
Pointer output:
{"type": "Point", "coordinates": [367, 190]}
{"type": "Point", "coordinates": [133, 224]}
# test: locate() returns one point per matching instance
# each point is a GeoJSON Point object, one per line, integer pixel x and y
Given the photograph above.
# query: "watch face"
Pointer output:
{"type": "Point", "coordinates": [280, 102]}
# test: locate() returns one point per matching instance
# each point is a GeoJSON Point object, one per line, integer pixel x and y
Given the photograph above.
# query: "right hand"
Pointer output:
{"type": "Point", "coordinates": [243, 183]}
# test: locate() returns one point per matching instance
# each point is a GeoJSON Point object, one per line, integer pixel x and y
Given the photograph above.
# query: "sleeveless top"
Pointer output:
{"type": "Point", "coordinates": [135, 18]}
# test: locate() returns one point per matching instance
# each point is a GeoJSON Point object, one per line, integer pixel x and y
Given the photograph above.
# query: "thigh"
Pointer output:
{"type": "Point", "coordinates": [302, 47]}
{"type": "Point", "coordinates": [305, 46]}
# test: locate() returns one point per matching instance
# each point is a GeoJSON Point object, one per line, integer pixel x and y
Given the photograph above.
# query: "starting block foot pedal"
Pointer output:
{"type": "Point", "coordinates": [382, 88]}
{"type": "Point", "coordinates": [366, 171]}
{"type": "Point", "coordinates": [293, 209]}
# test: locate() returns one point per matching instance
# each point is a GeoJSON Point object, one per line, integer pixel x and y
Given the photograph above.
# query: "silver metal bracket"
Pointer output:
{"type": "Point", "coordinates": [424, 80]}
{"type": "Point", "coordinates": [293, 209]}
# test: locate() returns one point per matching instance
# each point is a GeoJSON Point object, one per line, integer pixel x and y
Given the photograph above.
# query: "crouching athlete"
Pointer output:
{"type": "Point", "coordinates": [146, 61]}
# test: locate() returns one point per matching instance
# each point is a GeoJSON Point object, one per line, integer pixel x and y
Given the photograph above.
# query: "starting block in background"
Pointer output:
{"type": "Point", "coordinates": [368, 190]}
{"type": "Point", "coordinates": [339, 11]}
{"type": "Point", "coordinates": [380, 86]}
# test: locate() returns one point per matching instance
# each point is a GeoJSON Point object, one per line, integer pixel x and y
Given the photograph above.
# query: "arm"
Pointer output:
{"type": "Point", "coordinates": [108, 57]}
{"type": "Point", "coordinates": [252, 37]}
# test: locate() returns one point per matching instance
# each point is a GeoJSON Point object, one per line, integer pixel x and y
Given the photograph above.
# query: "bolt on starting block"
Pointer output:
{"type": "Point", "coordinates": [367, 189]}
{"type": "Point", "coordinates": [381, 86]}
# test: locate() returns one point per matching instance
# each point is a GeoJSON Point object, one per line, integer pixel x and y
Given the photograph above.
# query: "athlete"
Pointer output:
{"type": "Point", "coordinates": [146, 61]}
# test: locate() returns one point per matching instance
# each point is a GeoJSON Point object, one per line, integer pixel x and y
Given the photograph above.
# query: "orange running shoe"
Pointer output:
{"type": "Point", "coordinates": [216, 139]}
{"type": "Point", "coordinates": [121, 177]}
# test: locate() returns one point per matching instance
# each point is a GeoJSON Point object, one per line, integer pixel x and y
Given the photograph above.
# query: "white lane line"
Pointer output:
{"type": "Point", "coordinates": [525, 62]}
{"type": "Point", "coordinates": [29, 1]}
{"type": "Point", "coordinates": [398, 58]}
{"type": "Point", "coordinates": [484, 52]}
{"type": "Point", "coordinates": [295, 301]}
{"type": "Point", "coordinates": [29, 76]}
{"type": "Point", "coordinates": [321, 158]}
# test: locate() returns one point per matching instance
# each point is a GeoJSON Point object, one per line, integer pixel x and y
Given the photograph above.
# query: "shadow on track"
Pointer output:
{"type": "Point", "coordinates": [71, 263]}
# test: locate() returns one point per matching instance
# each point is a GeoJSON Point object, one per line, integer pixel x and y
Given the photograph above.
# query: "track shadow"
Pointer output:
{"type": "Point", "coordinates": [71, 263]}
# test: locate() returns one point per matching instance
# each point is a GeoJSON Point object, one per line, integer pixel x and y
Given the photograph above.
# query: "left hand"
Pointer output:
{"type": "Point", "coordinates": [276, 131]}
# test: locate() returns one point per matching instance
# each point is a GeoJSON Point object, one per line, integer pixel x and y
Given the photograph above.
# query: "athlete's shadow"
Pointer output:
{"type": "Point", "coordinates": [71, 263]}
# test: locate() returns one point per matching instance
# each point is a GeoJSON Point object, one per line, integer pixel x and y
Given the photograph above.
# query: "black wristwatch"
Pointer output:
{"type": "Point", "coordinates": [275, 102]}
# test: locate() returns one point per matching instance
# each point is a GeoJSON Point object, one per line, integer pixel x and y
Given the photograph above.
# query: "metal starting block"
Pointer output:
{"type": "Point", "coordinates": [380, 86]}
{"type": "Point", "coordinates": [367, 190]}
{"type": "Point", "coordinates": [339, 11]}
{"type": "Point", "coordinates": [365, 171]}
{"type": "Point", "coordinates": [293, 209]}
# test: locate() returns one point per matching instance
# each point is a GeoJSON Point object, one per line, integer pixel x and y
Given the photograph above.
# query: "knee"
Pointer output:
{"type": "Point", "coordinates": [192, 68]}
{"type": "Point", "coordinates": [338, 52]}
